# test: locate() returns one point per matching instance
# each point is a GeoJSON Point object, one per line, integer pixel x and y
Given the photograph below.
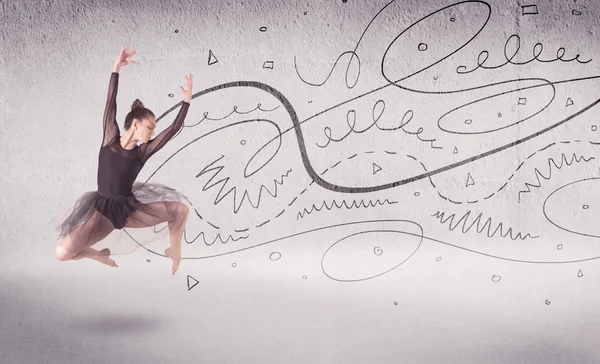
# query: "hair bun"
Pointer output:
{"type": "Point", "coordinates": [137, 104]}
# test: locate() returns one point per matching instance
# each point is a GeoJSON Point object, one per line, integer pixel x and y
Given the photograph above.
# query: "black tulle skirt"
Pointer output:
{"type": "Point", "coordinates": [120, 223]}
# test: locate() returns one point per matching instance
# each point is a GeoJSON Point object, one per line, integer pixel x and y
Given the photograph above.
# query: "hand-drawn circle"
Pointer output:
{"type": "Point", "coordinates": [422, 47]}
{"type": "Point", "coordinates": [233, 265]}
{"type": "Point", "coordinates": [594, 127]}
{"type": "Point", "coordinates": [585, 207]}
{"type": "Point", "coordinates": [171, 95]}
{"type": "Point", "coordinates": [263, 29]}
{"type": "Point", "coordinates": [547, 302]}
{"type": "Point", "coordinates": [148, 260]}
{"type": "Point", "coordinates": [453, 19]}
{"type": "Point", "coordinates": [176, 31]}
{"type": "Point", "coordinates": [304, 277]}
{"type": "Point", "coordinates": [562, 207]}
{"type": "Point", "coordinates": [377, 250]}
{"type": "Point", "coordinates": [395, 303]}
{"type": "Point", "coordinates": [496, 278]}
{"type": "Point", "coordinates": [576, 12]}
{"type": "Point", "coordinates": [417, 194]}
{"type": "Point", "coordinates": [275, 256]}
{"type": "Point", "coordinates": [438, 259]}
{"type": "Point", "coordinates": [559, 247]}
{"type": "Point", "coordinates": [469, 121]}
{"type": "Point", "coordinates": [243, 142]}
{"type": "Point", "coordinates": [376, 268]}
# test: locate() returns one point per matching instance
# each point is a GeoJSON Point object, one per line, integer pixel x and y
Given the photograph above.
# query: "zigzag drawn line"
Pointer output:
{"type": "Point", "coordinates": [224, 181]}
{"type": "Point", "coordinates": [480, 228]}
{"type": "Point", "coordinates": [563, 161]}
{"type": "Point", "coordinates": [354, 204]}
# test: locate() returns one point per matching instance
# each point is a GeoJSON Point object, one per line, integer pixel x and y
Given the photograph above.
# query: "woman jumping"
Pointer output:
{"type": "Point", "coordinates": [120, 201]}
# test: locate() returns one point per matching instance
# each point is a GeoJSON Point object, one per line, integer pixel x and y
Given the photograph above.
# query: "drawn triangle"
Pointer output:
{"type": "Point", "coordinates": [470, 181]}
{"type": "Point", "coordinates": [189, 278]}
{"type": "Point", "coordinates": [211, 58]}
{"type": "Point", "coordinates": [455, 151]}
{"type": "Point", "coordinates": [376, 168]}
{"type": "Point", "coordinates": [569, 102]}
{"type": "Point", "coordinates": [580, 273]}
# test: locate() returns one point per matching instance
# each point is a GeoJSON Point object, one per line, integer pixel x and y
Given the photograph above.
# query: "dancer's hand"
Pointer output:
{"type": "Point", "coordinates": [122, 59]}
{"type": "Point", "coordinates": [187, 94]}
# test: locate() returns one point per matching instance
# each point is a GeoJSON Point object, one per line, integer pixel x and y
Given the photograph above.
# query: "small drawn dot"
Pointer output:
{"type": "Point", "coordinates": [275, 256]}
{"type": "Point", "coordinates": [243, 142]}
{"type": "Point", "coordinates": [395, 303]}
{"type": "Point", "coordinates": [585, 207]}
{"type": "Point", "coordinates": [422, 47]}
{"type": "Point", "coordinates": [306, 12]}
{"type": "Point", "coordinates": [496, 278]}
{"type": "Point", "coordinates": [303, 277]}
{"type": "Point", "coordinates": [234, 265]}
{"type": "Point", "coordinates": [559, 247]}
{"type": "Point", "coordinates": [594, 127]}
{"type": "Point", "coordinates": [468, 121]}
{"type": "Point", "coordinates": [452, 19]}
{"type": "Point", "coordinates": [171, 95]}
{"type": "Point", "coordinates": [176, 31]}
{"type": "Point", "coordinates": [547, 302]}
{"type": "Point", "coordinates": [263, 29]}
{"type": "Point", "coordinates": [148, 260]}
{"type": "Point", "coordinates": [438, 259]}
{"type": "Point", "coordinates": [417, 193]}
{"type": "Point", "coordinates": [377, 250]}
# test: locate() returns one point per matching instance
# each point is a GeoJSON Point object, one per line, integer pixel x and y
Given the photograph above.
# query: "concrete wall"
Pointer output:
{"type": "Point", "coordinates": [455, 139]}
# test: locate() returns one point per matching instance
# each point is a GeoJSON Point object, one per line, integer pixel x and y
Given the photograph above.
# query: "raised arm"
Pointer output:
{"type": "Point", "coordinates": [161, 139]}
{"type": "Point", "coordinates": [111, 128]}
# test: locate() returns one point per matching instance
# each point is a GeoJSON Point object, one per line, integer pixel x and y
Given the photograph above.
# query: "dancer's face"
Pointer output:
{"type": "Point", "coordinates": [145, 129]}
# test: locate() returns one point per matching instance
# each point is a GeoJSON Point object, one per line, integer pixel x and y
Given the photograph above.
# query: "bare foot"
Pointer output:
{"type": "Point", "coordinates": [104, 257]}
{"type": "Point", "coordinates": [176, 260]}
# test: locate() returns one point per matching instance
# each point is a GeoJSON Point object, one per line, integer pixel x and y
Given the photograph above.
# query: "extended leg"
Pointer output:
{"type": "Point", "coordinates": [77, 244]}
{"type": "Point", "coordinates": [175, 213]}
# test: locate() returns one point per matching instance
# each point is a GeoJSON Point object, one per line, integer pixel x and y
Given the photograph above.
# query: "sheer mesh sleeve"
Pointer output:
{"type": "Point", "coordinates": [111, 128]}
{"type": "Point", "coordinates": [161, 139]}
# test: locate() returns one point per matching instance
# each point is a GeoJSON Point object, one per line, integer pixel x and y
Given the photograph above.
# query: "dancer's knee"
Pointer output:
{"type": "Point", "coordinates": [183, 210]}
{"type": "Point", "coordinates": [62, 255]}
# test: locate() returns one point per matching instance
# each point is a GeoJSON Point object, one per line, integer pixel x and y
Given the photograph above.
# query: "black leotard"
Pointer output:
{"type": "Point", "coordinates": [119, 167]}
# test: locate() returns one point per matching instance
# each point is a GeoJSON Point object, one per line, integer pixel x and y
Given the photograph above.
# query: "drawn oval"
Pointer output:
{"type": "Point", "coordinates": [441, 43]}
{"type": "Point", "coordinates": [487, 114]}
{"type": "Point", "coordinates": [265, 154]}
{"type": "Point", "coordinates": [575, 207]}
{"type": "Point", "coordinates": [352, 258]}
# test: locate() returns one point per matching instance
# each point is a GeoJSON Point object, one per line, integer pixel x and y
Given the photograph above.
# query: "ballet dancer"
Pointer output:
{"type": "Point", "coordinates": [120, 201]}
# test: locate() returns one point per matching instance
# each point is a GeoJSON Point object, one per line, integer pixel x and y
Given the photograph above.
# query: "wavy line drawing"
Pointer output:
{"type": "Point", "coordinates": [335, 204]}
{"type": "Point", "coordinates": [477, 223]}
{"type": "Point", "coordinates": [218, 237]}
{"type": "Point", "coordinates": [551, 161]}
{"type": "Point", "coordinates": [245, 196]}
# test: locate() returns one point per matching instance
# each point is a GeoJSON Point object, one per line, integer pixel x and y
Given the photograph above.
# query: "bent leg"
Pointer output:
{"type": "Point", "coordinates": [154, 213]}
{"type": "Point", "coordinates": [76, 244]}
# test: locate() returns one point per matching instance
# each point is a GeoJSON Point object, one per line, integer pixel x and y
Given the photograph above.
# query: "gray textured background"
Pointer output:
{"type": "Point", "coordinates": [446, 304]}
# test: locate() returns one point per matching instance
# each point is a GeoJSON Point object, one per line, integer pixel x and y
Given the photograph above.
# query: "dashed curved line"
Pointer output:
{"type": "Point", "coordinates": [509, 178]}
{"type": "Point", "coordinates": [487, 226]}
